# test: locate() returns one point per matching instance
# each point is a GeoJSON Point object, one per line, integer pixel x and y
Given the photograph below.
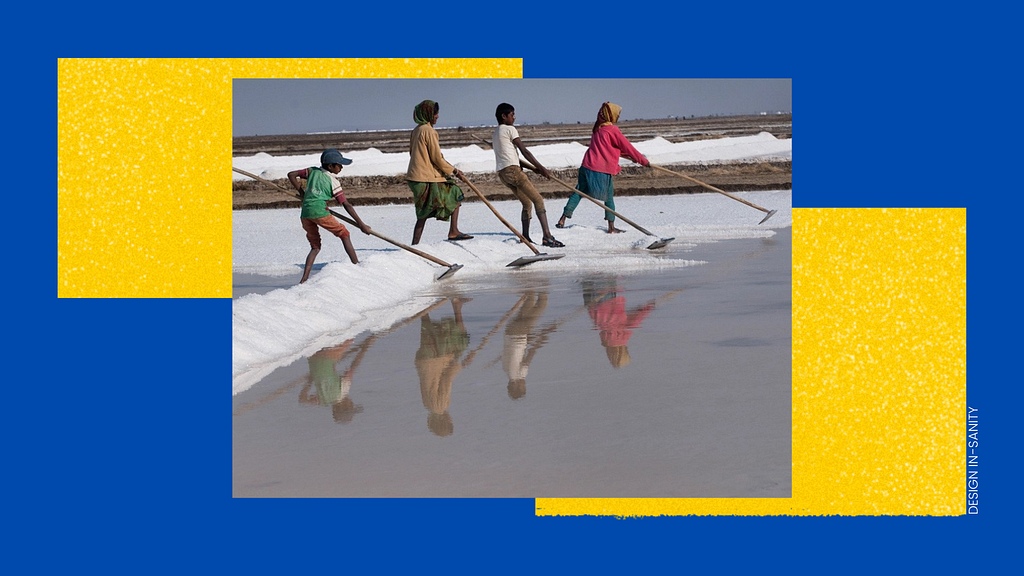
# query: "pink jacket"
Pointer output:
{"type": "Point", "coordinates": [615, 324]}
{"type": "Point", "coordinates": [607, 145]}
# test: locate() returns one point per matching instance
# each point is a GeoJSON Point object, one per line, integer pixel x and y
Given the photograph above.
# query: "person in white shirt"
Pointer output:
{"type": "Point", "coordinates": [522, 341]}
{"type": "Point", "coordinates": [507, 145]}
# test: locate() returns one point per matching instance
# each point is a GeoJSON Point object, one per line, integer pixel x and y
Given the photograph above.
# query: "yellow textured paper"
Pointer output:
{"type": "Point", "coordinates": [144, 164]}
{"type": "Point", "coordinates": [879, 372]}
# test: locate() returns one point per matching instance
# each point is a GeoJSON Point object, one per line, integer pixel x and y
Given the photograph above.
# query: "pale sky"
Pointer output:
{"type": "Point", "coordinates": [303, 106]}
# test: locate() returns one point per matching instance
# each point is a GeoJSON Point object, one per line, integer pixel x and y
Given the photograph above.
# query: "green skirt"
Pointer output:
{"type": "Point", "coordinates": [441, 338]}
{"type": "Point", "coordinates": [437, 199]}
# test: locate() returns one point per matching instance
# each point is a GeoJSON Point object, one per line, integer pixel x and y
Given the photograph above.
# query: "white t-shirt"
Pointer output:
{"type": "Point", "coordinates": [513, 355]}
{"type": "Point", "coordinates": [505, 152]}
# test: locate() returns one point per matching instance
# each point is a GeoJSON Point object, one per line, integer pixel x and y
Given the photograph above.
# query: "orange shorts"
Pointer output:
{"type": "Point", "coordinates": [312, 227]}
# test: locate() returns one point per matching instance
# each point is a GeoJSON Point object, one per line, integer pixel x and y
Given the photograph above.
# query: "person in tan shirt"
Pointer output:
{"type": "Point", "coordinates": [438, 363]}
{"type": "Point", "coordinates": [430, 176]}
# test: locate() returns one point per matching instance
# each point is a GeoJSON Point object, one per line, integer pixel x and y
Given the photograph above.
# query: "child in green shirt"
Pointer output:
{"type": "Point", "coordinates": [321, 186]}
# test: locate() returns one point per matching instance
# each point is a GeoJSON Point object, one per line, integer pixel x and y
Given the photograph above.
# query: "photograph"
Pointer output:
{"type": "Point", "coordinates": [523, 288]}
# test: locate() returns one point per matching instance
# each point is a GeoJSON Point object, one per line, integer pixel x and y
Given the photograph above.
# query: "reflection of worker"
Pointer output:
{"type": "Point", "coordinates": [332, 389]}
{"type": "Point", "coordinates": [520, 345]}
{"type": "Point", "coordinates": [608, 311]}
{"type": "Point", "coordinates": [437, 363]}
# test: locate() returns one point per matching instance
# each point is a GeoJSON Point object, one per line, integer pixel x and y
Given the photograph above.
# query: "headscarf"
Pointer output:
{"type": "Point", "coordinates": [609, 114]}
{"type": "Point", "coordinates": [424, 112]}
{"type": "Point", "coordinates": [618, 356]}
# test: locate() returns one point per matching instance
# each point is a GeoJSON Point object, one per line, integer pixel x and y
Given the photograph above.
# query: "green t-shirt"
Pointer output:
{"type": "Point", "coordinates": [329, 386]}
{"type": "Point", "coordinates": [321, 186]}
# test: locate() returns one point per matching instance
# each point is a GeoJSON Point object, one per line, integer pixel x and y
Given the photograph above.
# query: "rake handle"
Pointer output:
{"type": "Point", "coordinates": [503, 221]}
{"type": "Point", "coordinates": [709, 187]}
{"type": "Point", "coordinates": [591, 198]}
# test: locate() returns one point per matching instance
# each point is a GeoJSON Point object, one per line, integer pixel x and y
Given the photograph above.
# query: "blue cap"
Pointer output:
{"type": "Point", "coordinates": [332, 156]}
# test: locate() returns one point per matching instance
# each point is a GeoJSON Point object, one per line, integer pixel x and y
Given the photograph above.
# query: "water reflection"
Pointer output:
{"type": "Point", "coordinates": [519, 350]}
{"type": "Point", "coordinates": [573, 342]}
{"type": "Point", "coordinates": [332, 389]}
{"type": "Point", "coordinates": [444, 349]}
{"type": "Point", "coordinates": [438, 362]}
{"type": "Point", "coordinates": [607, 308]}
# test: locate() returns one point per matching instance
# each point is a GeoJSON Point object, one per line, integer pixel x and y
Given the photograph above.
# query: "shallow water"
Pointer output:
{"type": "Point", "coordinates": [673, 383]}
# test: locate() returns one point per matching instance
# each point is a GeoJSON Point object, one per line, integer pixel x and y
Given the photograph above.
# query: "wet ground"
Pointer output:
{"type": "Point", "coordinates": [673, 383]}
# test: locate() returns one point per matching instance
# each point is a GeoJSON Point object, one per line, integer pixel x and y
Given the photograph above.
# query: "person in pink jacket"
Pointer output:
{"type": "Point", "coordinates": [601, 162]}
{"type": "Point", "coordinates": [608, 311]}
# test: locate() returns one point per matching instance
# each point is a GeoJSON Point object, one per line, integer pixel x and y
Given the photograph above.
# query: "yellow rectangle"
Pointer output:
{"type": "Point", "coordinates": [879, 372]}
{"type": "Point", "coordinates": [144, 164]}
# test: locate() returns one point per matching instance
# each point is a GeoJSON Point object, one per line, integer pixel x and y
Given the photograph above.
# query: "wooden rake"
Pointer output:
{"type": "Point", "coordinates": [769, 214]}
{"type": "Point", "coordinates": [452, 268]}
{"type": "Point", "coordinates": [661, 243]}
{"type": "Point", "coordinates": [538, 255]}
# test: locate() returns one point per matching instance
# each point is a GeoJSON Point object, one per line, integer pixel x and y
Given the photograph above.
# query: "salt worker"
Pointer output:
{"type": "Point", "coordinates": [601, 162]}
{"type": "Point", "coordinates": [507, 144]}
{"type": "Point", "coordinates": [321, 186]}
{"type": "Point", "coordinates": [431, 177]}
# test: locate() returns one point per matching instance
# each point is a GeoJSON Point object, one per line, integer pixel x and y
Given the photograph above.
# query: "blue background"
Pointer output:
{"type": "Point", "coordinates": [118, 438]}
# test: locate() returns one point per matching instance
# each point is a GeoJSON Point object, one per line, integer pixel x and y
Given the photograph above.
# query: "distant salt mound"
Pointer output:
{"type": "Point", "coordinates": [475, 159]}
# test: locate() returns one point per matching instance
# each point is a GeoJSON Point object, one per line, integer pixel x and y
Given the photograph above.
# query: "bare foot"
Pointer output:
{"type": "Point", "coordinates": [614, 230]}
